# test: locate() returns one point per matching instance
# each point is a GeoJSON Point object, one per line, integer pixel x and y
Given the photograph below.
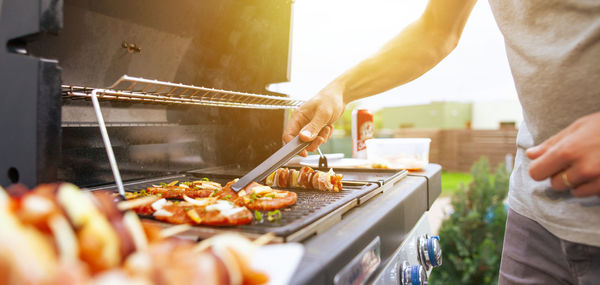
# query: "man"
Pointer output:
{"type": "Point", "coordinates": [553, 46]}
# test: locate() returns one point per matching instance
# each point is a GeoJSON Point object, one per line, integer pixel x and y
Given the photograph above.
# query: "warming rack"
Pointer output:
{"type": "Point", "coordinates": [135, 89]}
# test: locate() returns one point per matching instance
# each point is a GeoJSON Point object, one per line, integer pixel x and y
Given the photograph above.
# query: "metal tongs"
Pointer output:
{"type": "Point", "coordinates": [274, 161]}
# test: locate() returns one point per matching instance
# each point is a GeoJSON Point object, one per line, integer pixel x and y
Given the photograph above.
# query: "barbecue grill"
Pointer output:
{"type": "Point", "coordinates": [120, 104]}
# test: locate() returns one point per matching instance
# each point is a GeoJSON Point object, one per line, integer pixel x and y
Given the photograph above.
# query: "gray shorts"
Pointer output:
{"type": "Point", "coordinates": [532, 255]}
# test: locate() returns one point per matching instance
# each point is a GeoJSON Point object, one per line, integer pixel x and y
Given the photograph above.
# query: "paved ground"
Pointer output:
{"type": "Point", "coordinates": [439, 211]}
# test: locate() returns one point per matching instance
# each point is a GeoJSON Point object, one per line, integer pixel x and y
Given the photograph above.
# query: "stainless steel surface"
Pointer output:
{"type": "Point", "coordinates": [433, 174]}
{"type": "Point", "coordinates": [362, 266]}
{"type": "Point", "coordinates": [407, 253]}
{"type": "Point", "coordinates": [412, 274]}
{"type": "Point", "coordinates": [136, 89]}
{"type": "Point", "coordinates": [430, 252]}
{"type": "Point", "coordinates": [279, 158]}
{"type": "Point", "coordinates": [192, 138]}
{"type": "Point", "coordinates": [390, 215]}
{"type": "Point", "coordinates": [107, 145]}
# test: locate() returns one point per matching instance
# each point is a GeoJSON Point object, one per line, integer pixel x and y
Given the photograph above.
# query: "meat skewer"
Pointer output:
{"type": "Point", "coordinates": [57, 234]}
{"type": "Point", "coordinates": [306, 178]}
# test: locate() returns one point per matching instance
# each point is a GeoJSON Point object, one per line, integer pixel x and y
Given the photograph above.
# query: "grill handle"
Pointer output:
{"type": "Point", "coordinates": [107, 144]}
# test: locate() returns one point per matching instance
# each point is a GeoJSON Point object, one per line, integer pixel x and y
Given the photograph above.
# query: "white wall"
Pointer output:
{"type": "Point", "coordinates": [489, 114]}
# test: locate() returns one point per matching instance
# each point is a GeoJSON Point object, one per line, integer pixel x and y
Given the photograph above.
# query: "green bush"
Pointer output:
{"type": "Point", "coordinates": [471, 239]}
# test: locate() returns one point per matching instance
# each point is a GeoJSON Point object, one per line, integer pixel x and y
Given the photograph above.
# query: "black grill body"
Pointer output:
{"type": "Point", "coordinates": [229, 44]}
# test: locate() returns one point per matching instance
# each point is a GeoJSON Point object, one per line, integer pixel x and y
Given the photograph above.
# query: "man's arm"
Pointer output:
{"type": "Point", "coordinates": [417, 49]}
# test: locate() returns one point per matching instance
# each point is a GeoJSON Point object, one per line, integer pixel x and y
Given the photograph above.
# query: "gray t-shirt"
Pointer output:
{"type": "Point", "coordinates": [553, 47]}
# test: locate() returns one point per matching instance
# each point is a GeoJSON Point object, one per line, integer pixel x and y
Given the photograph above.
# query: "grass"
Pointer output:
{"type": "Point", "coordinates": [451, 182]}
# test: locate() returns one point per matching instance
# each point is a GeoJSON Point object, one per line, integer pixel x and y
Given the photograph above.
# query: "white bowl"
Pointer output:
{"type": "Point", "coordinates": [399, 153]}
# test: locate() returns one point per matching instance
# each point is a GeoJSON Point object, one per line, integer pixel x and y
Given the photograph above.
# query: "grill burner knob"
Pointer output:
{"type": "Point", "coordinates": [430, 252]}
{"type": "Point", "coordinates": [413, 274]}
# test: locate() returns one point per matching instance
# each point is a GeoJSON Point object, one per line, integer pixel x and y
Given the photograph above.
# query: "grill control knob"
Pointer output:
{"type": "Point", "coordinates": [412, 274]}
{"type": "Point", "coordinates": [430, 252]}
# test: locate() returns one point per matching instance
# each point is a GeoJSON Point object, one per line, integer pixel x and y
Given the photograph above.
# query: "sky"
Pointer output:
{"type": "Point", "coordinates": [330, 36]}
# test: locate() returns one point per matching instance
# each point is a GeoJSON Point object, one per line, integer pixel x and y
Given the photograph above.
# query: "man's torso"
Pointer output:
{"type": "Point", "coordinates": [553, 48]}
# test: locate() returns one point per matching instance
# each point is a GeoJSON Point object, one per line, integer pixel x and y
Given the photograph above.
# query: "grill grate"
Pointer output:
{"type": "Point", "coordinates": [312, 207]}
{"type": "Point", "coordinates": [135, 89]}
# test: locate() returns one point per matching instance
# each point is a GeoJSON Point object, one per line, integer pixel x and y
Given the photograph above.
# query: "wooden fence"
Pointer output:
{"type": "Point", "coordinates": [457, 150]}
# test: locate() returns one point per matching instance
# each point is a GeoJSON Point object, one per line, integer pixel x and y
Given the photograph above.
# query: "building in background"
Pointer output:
{"type": "Point", "coordinates": [436, 115]}
{"type": "Point", "coordinates": [481, 115]}
{"type": "Point", "coordinates": [490, 115]}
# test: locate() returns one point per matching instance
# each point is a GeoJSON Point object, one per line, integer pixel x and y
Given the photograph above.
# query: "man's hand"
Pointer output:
{"type": "Point", "coordinates": [313, 120]}
{"type": "Point", "coordinates": [417, 49]}
{"type": "Point", "coordinates": [571, 158]}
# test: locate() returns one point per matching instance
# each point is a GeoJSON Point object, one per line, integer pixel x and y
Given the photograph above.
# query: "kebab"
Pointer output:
{"type": "Point", "coordinates": [50, 234]}
{"type": "Point", "coordinates": [306, 178]}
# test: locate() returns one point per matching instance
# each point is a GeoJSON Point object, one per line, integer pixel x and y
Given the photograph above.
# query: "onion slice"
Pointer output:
{"type": "Point", "coordinates": [134, 226]}
{"type": "Point", "coordinates": [203, 202]}
{"type": "Point", "coordinates": [162, 213]}
{"type": "Point", "coordinates": [159, 204]}
{"type": "Point", "coordinates": [137, 202]}
{"type": "Point", "coordinates": [174, 230]}
{"type": "Point", "coordinates": [65, 238]}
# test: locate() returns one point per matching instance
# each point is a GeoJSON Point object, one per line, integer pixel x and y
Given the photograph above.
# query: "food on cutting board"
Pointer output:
{"type": "Point", "coordinates": [57, 234]}
{"type": "Point", "coordinates": [306, 178]}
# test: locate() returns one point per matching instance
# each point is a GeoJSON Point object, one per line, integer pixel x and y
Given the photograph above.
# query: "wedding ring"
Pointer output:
{"type": "Point", "coordinates": [565, 180]}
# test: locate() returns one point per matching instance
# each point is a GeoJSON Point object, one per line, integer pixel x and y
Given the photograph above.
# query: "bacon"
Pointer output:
{"type": "Point", "coordinates": [256, 197]}
{"type": "Point", "coordinates": [305, 175]}
{"type": "Point", "coordinates": [181, 215]}
{"type": "Point", "coordinates": [177, 192]}
{"type": "Point", "coordinates": [282, 177]}
{"type": "Point", "coordinates": [226, 193]}
{"type": "Point", "coordinates": [273, 203]}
